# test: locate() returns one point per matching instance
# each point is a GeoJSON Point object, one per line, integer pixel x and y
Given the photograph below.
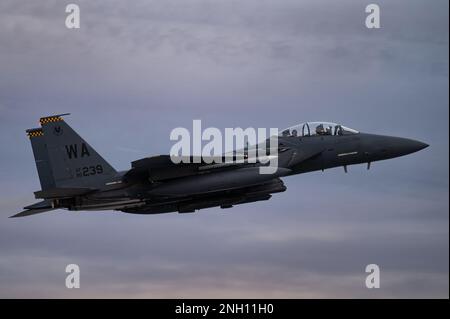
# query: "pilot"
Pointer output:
{"type": "Point", "coordinates": [328, 130]}
{"type": "Point", "coordinates": [294, 133]}
{"type": "Point", "coordinates": [320, 130]}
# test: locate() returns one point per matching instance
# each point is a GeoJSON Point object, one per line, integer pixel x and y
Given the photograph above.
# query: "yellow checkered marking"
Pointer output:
{"type": "Point", "coordinates": [35, 133]}
{"type": "Point", "coordinates": [50, 119]}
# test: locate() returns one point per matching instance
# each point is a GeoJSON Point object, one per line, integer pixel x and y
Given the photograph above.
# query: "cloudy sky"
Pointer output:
{"type": "Point", "coordinates": [134, 71]}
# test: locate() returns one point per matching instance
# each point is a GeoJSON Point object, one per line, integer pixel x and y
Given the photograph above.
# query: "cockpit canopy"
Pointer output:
{"type": "Point", "coordinates": [317, 128]}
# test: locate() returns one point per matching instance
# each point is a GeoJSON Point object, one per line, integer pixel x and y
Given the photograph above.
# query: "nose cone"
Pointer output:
{"type": "Point", "coordinates": [407, 146]}
{"type": "Point", "coordinates": [380, 147]}
{"type": "Point", "coordinates": [398, 146]}
{"type": "Point", "coordinates": [418, 145]}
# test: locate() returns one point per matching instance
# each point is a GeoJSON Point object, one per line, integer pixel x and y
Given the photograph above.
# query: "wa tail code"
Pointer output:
{"type": "Point", "coordinates": [72, 150]}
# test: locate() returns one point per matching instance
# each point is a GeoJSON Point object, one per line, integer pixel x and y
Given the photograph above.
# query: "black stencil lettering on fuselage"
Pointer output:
{"type": "Point", "coordinates": [72, 150]}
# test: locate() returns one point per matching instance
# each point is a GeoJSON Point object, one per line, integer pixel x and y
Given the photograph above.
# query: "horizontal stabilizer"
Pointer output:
{"type": "Point", "coordinates": [62, 192]}
{"type": "Point", "coordinates": [29, 212]}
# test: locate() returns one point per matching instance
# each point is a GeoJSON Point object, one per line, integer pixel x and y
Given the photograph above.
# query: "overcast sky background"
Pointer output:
{"type": "Point", "coordinates": [134, 71]}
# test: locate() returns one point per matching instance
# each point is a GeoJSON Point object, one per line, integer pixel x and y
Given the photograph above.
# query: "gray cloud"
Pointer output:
{"type": "Point", "coordinates": [142, 69]}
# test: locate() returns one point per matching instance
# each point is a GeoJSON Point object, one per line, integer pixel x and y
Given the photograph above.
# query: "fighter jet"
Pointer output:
{"type": "Point", "coordinates": [73, 176]}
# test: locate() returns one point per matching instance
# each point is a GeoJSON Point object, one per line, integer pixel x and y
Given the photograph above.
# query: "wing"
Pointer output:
{"type": "Point", "coordinates": [161, 167]}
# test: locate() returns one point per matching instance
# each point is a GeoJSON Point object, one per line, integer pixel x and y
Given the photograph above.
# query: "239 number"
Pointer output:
{"type": "Point", "coordinates": [89, 170]}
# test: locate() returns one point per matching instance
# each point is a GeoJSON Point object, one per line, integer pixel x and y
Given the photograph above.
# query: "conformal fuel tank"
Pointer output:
{"type": "Point", "coordinates": [214, 182]}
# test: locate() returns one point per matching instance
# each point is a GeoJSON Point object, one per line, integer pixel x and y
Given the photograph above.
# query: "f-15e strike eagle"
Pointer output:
{"type": "Point", "coordinates": [74, 176]}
